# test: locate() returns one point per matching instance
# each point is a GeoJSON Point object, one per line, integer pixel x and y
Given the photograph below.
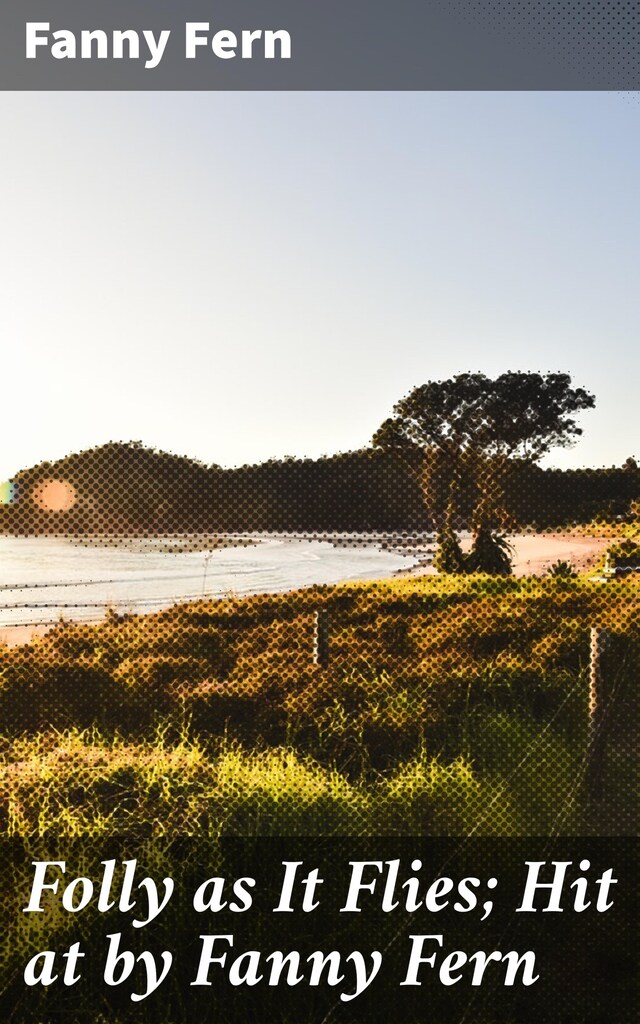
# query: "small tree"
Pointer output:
{"type": "Point", "coordinates": [472, 427]}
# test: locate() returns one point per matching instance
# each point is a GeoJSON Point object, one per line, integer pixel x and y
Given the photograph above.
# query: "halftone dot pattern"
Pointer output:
{"type": "Point", "coordinates": [598, 39]}
{"type": "Point", "coordinates": [455, 705]}
{"type": "Point", "coordinates": [438, 705]}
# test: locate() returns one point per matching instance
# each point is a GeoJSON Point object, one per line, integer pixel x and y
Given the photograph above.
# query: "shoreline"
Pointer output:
{"type": "Point", "coordinates": [533, 554]}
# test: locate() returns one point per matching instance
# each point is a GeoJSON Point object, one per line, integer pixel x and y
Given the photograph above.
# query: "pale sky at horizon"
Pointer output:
{"type": "Point", "coordinates": [242, 276]}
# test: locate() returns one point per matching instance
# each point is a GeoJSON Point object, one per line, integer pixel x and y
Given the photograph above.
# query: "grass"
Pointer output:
{"type": "Point", "coordinates": [449, 705]}
{"type": "Point", "coordinates": [80, 784]}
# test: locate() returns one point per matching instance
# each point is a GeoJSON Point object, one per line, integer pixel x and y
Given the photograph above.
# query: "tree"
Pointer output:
{"type": "Point", "coordinates": [472, 428]}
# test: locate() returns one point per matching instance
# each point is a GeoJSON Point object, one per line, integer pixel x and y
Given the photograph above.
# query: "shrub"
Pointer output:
{"type": "Point", "coordinates": [562, 570]}
{"type": "Point", "coordinates": [625, 555]}
{"type": "Point", "coordinates": [449, 557]}
{"type": "Point", "coordinates": [491, 554]}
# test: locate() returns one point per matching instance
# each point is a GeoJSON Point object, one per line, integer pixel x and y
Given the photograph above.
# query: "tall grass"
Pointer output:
{"type": "Point", "coordinates": [83, 784]}
{"type": "Point", "coordinates": [449, 706]}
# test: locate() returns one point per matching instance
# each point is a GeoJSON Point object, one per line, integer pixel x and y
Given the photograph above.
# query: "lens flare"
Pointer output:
{"type": "Point", "coordinates": [55, 496]}
{"type": "Point", "coordinates": [7, 492]}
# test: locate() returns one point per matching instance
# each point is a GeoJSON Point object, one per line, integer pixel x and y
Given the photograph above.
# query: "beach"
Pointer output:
{"type": "Point", "coordinates": [534, 553]}
{"type": "Point", "coordinates": [46, 579]}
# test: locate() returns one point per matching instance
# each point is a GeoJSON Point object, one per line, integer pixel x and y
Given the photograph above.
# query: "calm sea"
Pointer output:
{"type": "Point", "coordinates": [45, 578]}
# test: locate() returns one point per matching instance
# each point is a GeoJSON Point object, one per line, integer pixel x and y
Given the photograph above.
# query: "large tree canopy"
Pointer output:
{"type": "Point", "coordinates": [514, 415]}
{"type": "Point", "coordinates": [463, 435]}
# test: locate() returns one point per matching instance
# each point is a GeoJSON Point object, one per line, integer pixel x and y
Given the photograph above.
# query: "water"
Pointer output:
{"type": "Point", "coordinates": [44, 578]}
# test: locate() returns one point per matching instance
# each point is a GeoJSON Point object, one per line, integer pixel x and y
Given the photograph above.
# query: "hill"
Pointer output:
{"type": "Point", "coordinates": [126, 488]}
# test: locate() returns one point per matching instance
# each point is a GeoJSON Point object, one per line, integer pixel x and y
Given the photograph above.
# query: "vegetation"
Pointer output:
{"type": "Point", "coordinates": [468, 432]}
{"type": "Point", "coordinates": [449, 705]}
{"type": "Point", "coordinates": [449, 557]}
{"type": "Point", "coordinates": [562, 570]}
{"type": "Point", "coordinates": [125, 489]}
{"type": "Point", "coordinates": [625, 555]}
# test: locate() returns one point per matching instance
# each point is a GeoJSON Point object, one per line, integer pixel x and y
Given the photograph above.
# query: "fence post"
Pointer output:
{"type": "Point", "coordinates": [598, 699]}
{"type": "Point", "coordinates": [321, 637]}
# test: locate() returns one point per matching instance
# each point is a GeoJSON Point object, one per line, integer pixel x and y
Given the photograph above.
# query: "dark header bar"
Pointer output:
{"type": "Point", "coordinates": [319, 45]}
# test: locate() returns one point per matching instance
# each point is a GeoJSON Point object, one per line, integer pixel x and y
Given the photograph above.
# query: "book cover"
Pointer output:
{"type": "Point", "coordinates": [320, 536]}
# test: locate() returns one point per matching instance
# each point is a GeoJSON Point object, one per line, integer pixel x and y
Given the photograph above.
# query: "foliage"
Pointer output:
{"type": "Point", "coordinates": [626, 554]}
{"type": "Point", "coordinates": [490, 553]}
{"type": "Point", "coordinates": [562, 570]}
{"type": "Point", "coordinates": [514, 415]}
{"type": "Point", "coordinates": [449, 557]}
{"type": "Point", "coordinates": [472, 425]}
{"type": "Point", "coordinates": [126, 489]}
{"type": "Point", "coordinates": [105, 729]}
{"type": "Point", "coordinates": [452, 706]}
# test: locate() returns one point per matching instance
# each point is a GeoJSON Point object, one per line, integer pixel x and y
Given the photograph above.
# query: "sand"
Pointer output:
{"type": "Point", "coordinates": [533, 554]}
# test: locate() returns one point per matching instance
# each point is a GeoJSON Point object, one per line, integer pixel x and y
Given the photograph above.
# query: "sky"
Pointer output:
{"type": "Point", "coordinates": [243, 276]}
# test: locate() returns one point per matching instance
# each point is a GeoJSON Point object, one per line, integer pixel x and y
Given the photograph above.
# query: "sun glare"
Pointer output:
{"type": "Point", "coordinates": [55, 496]}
